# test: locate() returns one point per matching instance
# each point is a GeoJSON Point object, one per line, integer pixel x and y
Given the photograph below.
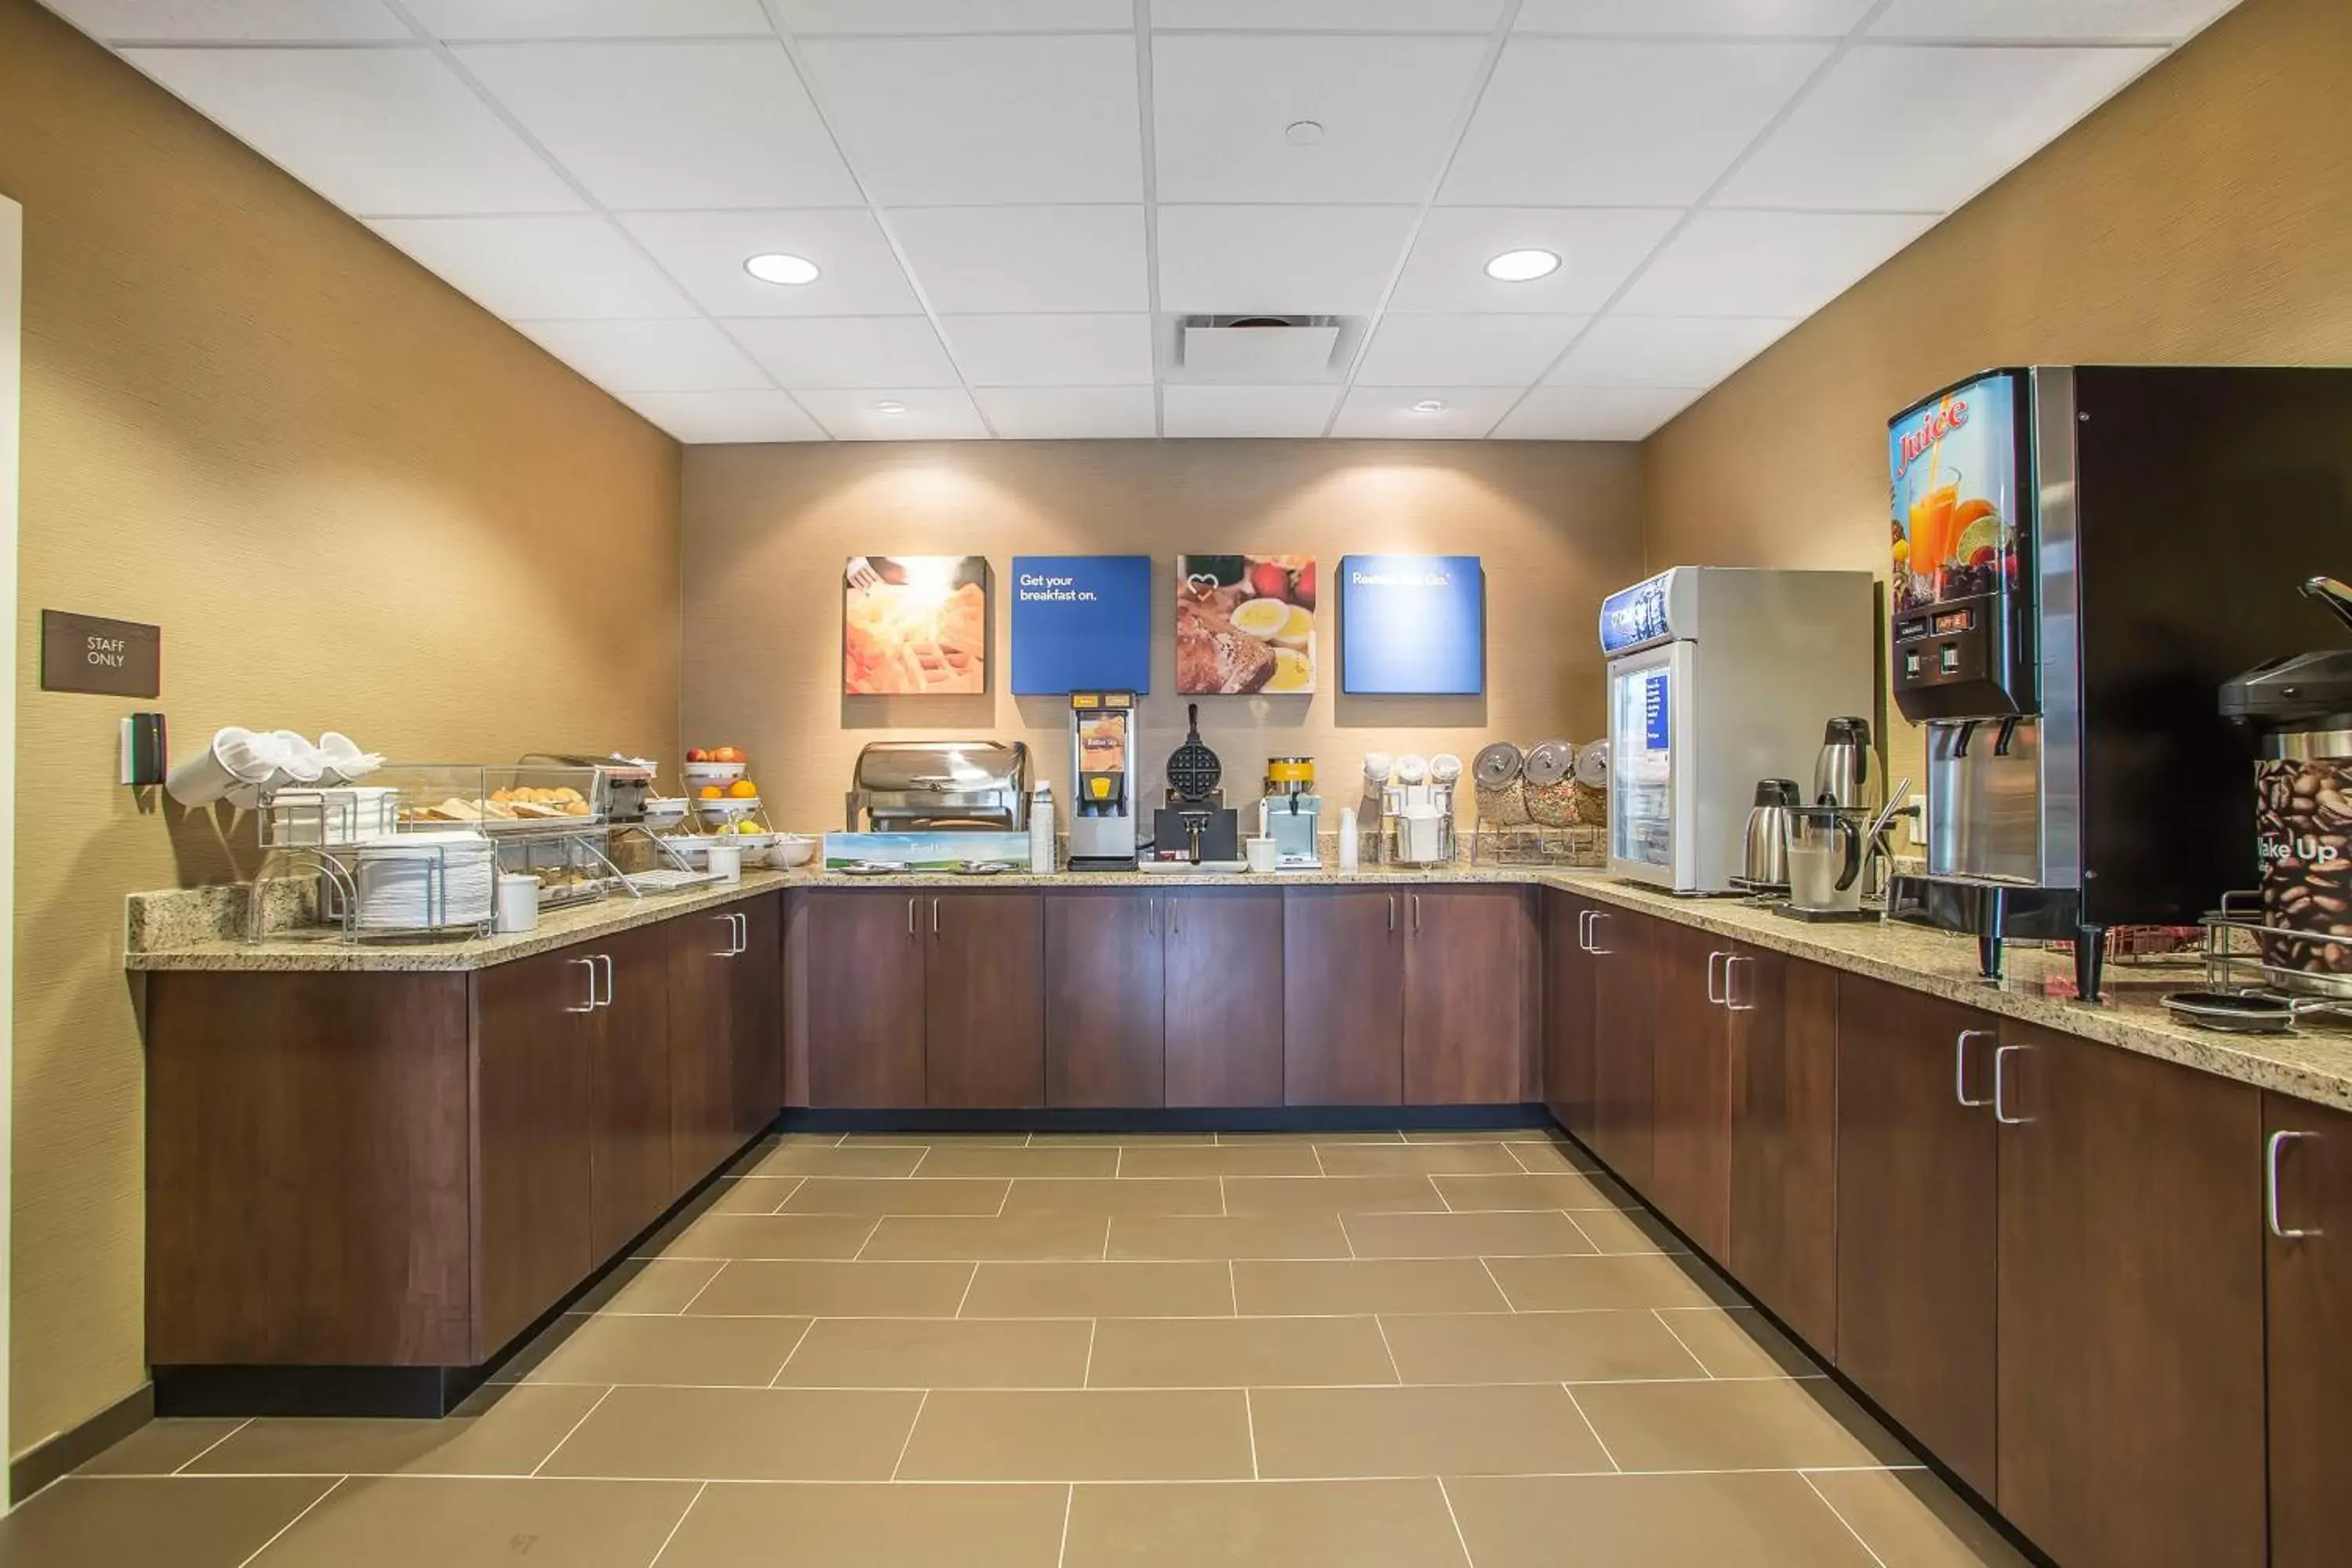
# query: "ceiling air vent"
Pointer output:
{"type": "Point", "coordinates": [1255, 350]}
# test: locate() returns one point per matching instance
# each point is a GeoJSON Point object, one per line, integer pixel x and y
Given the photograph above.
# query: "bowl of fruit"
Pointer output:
{"type": "Point", "coordinates": [726, 803]}
{"type": "Point", "coordinates": [718, 765]}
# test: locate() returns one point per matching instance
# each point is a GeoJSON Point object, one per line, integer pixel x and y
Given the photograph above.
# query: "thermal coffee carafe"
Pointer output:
{"type": "Point", "coordinates": [1765, 862]}
{"type": "Point", "coordinates": [1842, 769]}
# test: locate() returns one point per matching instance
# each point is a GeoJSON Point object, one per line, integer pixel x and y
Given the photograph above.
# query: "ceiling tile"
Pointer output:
{"type": "Point", "coordinates": [2118, 21]}
{"type": "Point", "coordinates": [1665, 350]}
{"type": "Point", "coordinates": [374, 130]}
{"type": "Point", "coordinates": [710, 416]}
{"type": "Point", "coordinates": [1592, 414]}
{"type": "Point", "coordinates": [1767, 263]}
{"type": "Point", "coordinates": [1597, 246]}
{"type": "Point", "coordinates": [1331, 15]}
{"type": "Point", "coordinates": [971, 259]}
{"type": "Point", "coordinates": [1052, 351]}
{"type": "Point", "coordinates": [1721, 18]}
{"type": "Point", "coordinates": [925, 413]}
{"type": "Point", "coordinates": [1229, 260]}
{"type": "Point", "coordinates": [1058, 413]}
{"type": "Point", "coordinates": [254, 21]}
{"type": "Point", "coordinates": [1219, 105]}
{"type": "Point", "coordinates": [980, 122]}
{"type": "Point", "coordinates": [1464, 351]}
{"type": "Point", "coordinates": [1605, 122]}
{"type": "Point", "coordinates": [1293, 411]}
{"type": "Point", "coordinates": [1387, 411]}
{"type": "Point", "coordinates": [954, 15]}
{"type": "Point", "coordinates": [590, 18]}
{"type": "Point", "coordinates": [690, 355]}
{"type": "Point", "coordinates": [857, 275]}
{"type": "Point", "coordinates": [828, 351]}
{"type": "Point", "coordinates": [527, 268]}
{"type": "Point", "coordinates": [671, 125]}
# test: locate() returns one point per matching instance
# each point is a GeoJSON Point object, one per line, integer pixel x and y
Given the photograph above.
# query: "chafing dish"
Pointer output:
{"type": "Point", "coordinates": [903, 787]}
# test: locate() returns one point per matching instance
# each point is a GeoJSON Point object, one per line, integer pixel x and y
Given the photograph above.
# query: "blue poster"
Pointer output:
{"type": "Point", "coordinates": [1081, 623]}
{"type": "Point", "coordinates": [1413, 625]}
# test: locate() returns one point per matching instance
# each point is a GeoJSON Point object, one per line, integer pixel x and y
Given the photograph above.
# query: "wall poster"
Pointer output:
{"type": "Point", "coordinates": [1413, 625]}
{"type": "Point", "coordinates": [914, 626]}
{"type": "Point", "coordinates": [1081, 623]}
{"type": "Point", "coordinates": [1245, 624]}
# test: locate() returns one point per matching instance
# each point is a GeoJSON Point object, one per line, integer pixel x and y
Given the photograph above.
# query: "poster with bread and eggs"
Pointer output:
{"type": "Point", "coordinates": [1245, 626]}
{"type": "Point", "coordinates": [914, 626]}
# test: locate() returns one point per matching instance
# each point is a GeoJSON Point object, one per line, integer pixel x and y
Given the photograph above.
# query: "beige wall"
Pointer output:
{"type": "Point", "coordinates": [2203, 216]}
{"type": "Point", "coordinates": [768, 530]}
{"type": "Point", "coordinates": [351, 499]}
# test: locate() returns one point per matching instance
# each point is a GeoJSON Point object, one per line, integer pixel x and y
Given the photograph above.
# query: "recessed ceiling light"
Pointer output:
{"type": "Point", "coordinates": [774, 267]}
{"type": "Point", "coordinates": [888, 406]}
{"type": "Point", "coordinates": [1523, 266]}
{"type": "Point", "coordinates": [1303, 132]}
{"type": "Point", "coordinates": [1430, 406]}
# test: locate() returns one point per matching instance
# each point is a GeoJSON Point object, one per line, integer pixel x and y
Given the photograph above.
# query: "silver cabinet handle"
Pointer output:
{"type": "Point", "coordinates": [1596, 949]}
{"type": "Point", "coordinates": [1175, 915]}
{"type": "Point", "coordinates": [1999, 1106]}
{"type": "Point", "coordinates": [1714, 996]}
{"type": "Point", "coordinates": [742, 933]}
{"type": "Point", "coordinates": [2271, 1152]}
{"type": "Point", "coordinates": [1151, 913]}
{"type": "Point", "coordinates": [1414, 900]}
{"type": "Point", "coordinates": [1584, 931]}
{"type": "Point", "coordinates": [605, 962]}
{"type": "Point", "coordinates": [731, 950]}
{"type": "Point", "coordinates": [935, 917]}
{"type": "Point", "coordinates": [911, 917]}
{"type": "Point", "coordinates": [1960, 1067]}
{"type": "Point", "coordinates": [1391, 912]}
{"type": "Point", "coordinates": [1727, 993]}
{"type": "Point", "coordinates": [589, 965]}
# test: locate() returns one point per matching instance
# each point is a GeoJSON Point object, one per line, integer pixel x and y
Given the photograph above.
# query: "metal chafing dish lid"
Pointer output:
{"type": "Point", "coordinates": [939, 767]}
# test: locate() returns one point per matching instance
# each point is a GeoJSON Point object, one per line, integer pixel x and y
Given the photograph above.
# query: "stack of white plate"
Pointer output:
{"type": "Point", "coordinates": [421, 882]}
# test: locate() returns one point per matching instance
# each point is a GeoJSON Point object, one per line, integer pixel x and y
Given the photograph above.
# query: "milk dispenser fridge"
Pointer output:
{"type": "Point", "coordinates": [2083, 554]}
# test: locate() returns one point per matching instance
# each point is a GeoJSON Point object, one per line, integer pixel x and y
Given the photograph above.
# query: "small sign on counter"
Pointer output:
{"type": "Point", "coordinates": [92, 653]}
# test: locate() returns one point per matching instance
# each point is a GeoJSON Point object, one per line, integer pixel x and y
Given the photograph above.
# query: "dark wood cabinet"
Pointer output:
{"type": "Point", "coordinates": [1690, 1111]}
{"type": "Point", "coordinates": [1915, 1211]}
{"type": "Point", "coordinates": [1568, 1011]}
{"type": "Point", "coordinates": [1342, 997]}
{"type": "Point", "coordinates": [2307, 1156]}
{"type": "Point", "coordinates": [1104, 1040]}
{"type": "Point", "coordinates": [983, 990]}
{"type": "Point", "coordinates": [1221, 951]}
{"type": "Point", "coordinates": [755, 1016]}
{"type": "Point", "coordinates": [533, 1034]}
{"type": "Point", "coordinates": [863, 1012]}
{"type": "Point", "coordinates": [1468, 1003]}
{"type": "Point", "coordinates": [2132, 1422]}
{"type": "Point", "coordinates": [1784, 1059]}
{"type": "Point", "coordinates": [1624, 1002]}
{"type": "Point", "coordinates": [630, 1178]}
{"type": "Point", "coordinates": [703, 1111]}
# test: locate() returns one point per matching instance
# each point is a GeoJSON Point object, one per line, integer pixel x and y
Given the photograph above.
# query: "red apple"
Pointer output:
{"type": "Point", "coordinates": [1304, 593]}
{"type": "Point", "coordinates": [697, 754]}
{"type": "Point", "coordinates": [1267, 580]}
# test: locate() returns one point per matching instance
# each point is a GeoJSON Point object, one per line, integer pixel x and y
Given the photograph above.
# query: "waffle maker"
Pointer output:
{"type": "Point", "coordinates": [1195, 824]}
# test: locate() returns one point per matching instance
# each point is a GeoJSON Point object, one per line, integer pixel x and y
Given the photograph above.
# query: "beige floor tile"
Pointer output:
{"type": "Point", "coordinates": [853, 1526]}
{"type": "Point", "coordinates": [1374, 1135]}
{"type": "Point", "coordinates": [1763, 1425]}
{"type": "Point", "coordinates": [1241, 1236]}
{"type": "Point", "coordinates": [115, 1522]}
{"type": "Point", "coordinates": [1544, 1159]}
{"type": "Point", "coordinates": [742, 1434]}
{"type": "Point", "coordinates": [1168, 1434]}
{"type": "Point", "coordinates": [1221, 1160]}
{"type": "Point", "coordinates": [984, 1160]}
{"type": "Point", "coordinates": [1343, 1286]}
{"type": "Point", "coordinates": [1738, 1342]}
{"type": "Point", "coordinates": [1470, 1135]}
{"type": "Point", "coordinates": [783, 1236]}
{"type": "Point", "coordinates": [1101, 1290]}
{"type": "Point", "coordinates": [1910, 1519]}
{"type": "Point", "coordinates": [1332, 1195]}
{"type": "Point", "coordinates": [1577, 1284]}
{"type": "Point", "coordinates": [933, 1352]}
{"type": "Point", "coordinates": [400, 1520]}
{"type": "Point", "coordinates": [1535, 1347]}
{"type": "Point", "coordinates": [1464, 1235]}
{"type": "Point", "coordinates": [1651, 1522]}
{"type": "Point", "coordinates": [1500, 1430]}
{"type": "Point", "coordinates": [846, 1195]}
{"type": "Point", "coordinates": [854, 1160]}
{"type": "Point", "coordinates": [506, 1434]}
{"type": "Point", "coordinates": [1560, 1191]}
{"type": "Point", "coordinates": [1298, 1524]}
{"type": "Point", "coordinates": [1626, 1231]}
{"type": "Point", "coordinates": [1020, 1235]}
{"type": "Point", "coordinates": [161, 1446]}
{"type": "Point", "coordinates": [751, 1194]}
{"type": "Point", "coordinates": [1420, 1159]}
{"type": "Point", "coordinates": [734, 1351]}
{"type": "Point", "coordinates": [1156, 1195]}
{"type": "Point", "coordinates": [835, 1290]}
{"type": "Point", "coordinates": [651, 1285]}
{"type": "Point", "coordinates": [935, 1140]}
{"type": "Point", "coordinates": [1122, 1139]}
{"type": "Point", "coordinates": [1234, 1353]}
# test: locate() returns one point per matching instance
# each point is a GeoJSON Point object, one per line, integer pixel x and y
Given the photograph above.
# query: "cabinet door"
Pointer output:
{"type": "Point", "coordinates": [1624, 1002]}
{"type": "Point", "coordinates": [1784, 1045]}
{"type": "Point", "coordinates": [1690, 1144]}
{"type": "Point", "coordinates": [701, 1044]}
{"type": "Point", "coordinates": [1342, 997]}
{"type": "Point", "coordinates": [984, 1003]}
{"type": "Point", "coordinates": [532, 1034]}
{"type": "Point", "coordinates": [1567, 1013]}
{"type": "Point", "coordinates": [755, 1017]}
{"type": "Point", "coordinates": [630, 1179]}
{"type": "Point", "coordinates": [2309, 1271]}
{"type": "Point", "coordinates": [1103, 1042]}
{"type": "Point", "coordinates": [862, 1008]}
{"type": "Point", "coordinates": [2132, 1423]}
{"type": "Point", "coordinates": [1916, 1211]}
{"type": "Point", "coordinates": [1467, 1003]}
{"type": "Point", "coordinates": [1221, 955]}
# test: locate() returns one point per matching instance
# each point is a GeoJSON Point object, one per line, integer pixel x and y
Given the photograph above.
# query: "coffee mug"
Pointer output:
{"type": "Point", "coordinates": [1259, 852]}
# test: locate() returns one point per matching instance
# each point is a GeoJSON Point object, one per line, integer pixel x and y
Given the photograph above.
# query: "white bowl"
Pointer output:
{"type": "Point", "coordinates": [728, 809]}
{"type": "Point", "coordinates": [666, 811]}
{"type": "Point", "coordinates": [701, 774]}
{"type": "Point", "coordinates": [792, 850]}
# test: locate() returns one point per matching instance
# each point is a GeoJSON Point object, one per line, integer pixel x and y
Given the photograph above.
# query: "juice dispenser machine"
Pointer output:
{"type": "Point", "coordinates": [1104, 824]}
{"type": "Point", "coordinates": [1291, 813]}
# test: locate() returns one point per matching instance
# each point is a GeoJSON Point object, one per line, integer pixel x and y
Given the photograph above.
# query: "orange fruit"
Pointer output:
{"type": "Point", "coordinates": [710, 792]}
{"type": "Point", "coordinates": [743, 789]}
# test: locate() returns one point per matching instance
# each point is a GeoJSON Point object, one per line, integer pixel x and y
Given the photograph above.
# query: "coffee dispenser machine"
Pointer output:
{"type": "Point", "coordinates": [2082, 555]}
{"type": "Point", "coordinates": [1104, 823]}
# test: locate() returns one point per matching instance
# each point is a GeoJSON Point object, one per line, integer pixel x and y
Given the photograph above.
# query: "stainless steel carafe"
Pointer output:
{"type": "Point", "coordinates": [1842, 769]}
{"type": "Point", "coordinates": [1765, 866]}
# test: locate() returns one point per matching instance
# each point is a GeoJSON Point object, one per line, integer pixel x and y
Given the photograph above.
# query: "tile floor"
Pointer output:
{"type": "Point", "coordinates": [1461, 1351]}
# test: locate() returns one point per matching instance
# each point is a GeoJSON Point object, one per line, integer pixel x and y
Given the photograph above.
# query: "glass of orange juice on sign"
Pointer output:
{"type": "Point", "coordinates": [1934, 496]}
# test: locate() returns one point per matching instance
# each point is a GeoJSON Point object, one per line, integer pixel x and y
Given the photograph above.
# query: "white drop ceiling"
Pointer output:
{"type": "Point", "coordinates": [1011, 201]}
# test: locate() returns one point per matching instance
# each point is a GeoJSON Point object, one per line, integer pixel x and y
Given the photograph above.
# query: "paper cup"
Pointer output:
{"type": "Point", "coordinates": [727, 860]}
{"type": "Point", "coordinates": [1259, 852]}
